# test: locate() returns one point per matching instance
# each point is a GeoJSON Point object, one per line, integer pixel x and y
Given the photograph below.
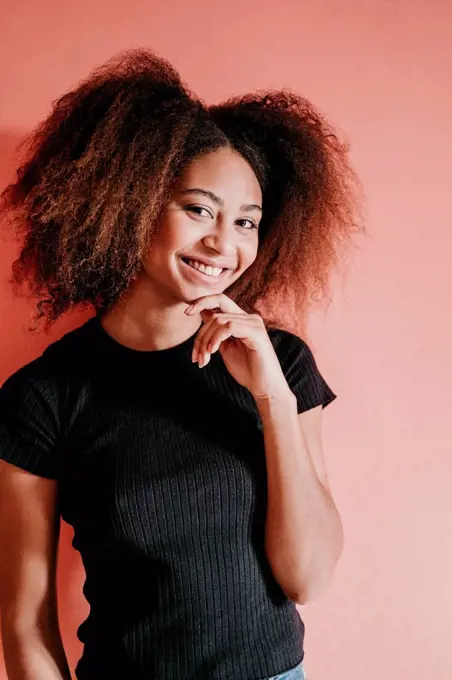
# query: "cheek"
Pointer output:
{"type": "Point", "coordinates": [249, 253]}
{"type": "Point", "coordinates": [171, 238]}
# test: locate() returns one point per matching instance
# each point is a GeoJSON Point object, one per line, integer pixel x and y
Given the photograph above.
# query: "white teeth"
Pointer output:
{"type": "Point", "coordinates": [210, 271]}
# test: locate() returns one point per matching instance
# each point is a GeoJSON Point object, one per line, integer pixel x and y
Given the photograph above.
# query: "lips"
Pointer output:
{"type": "Point", "coordinates": [200, 266]}
{"type": "Point", "coordinates": [199, 277]}
{"type": "Point", "coordinates": [206, 262]}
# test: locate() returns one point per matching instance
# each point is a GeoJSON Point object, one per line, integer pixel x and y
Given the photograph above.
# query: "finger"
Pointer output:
{"type": "Point", "coordinates": [210, 337]}
{"type": "Point", "coordinates": [199, 347]}
{"type": "Point", "coordinates": [209, 316]}
{"type": "Point", "coordinates": [217, 337]}
{"type": "Point", "coordinates": [246, 333]}
{"type": "Point", "coordinates": [242, 317]}
{"type": "Point", "coordinates": [225, 319]}
{"type": "Point", "coordinates": [221, 319]}
{"type": "Point", "coordinates": [201, 331]}
{"type": "Point", "coordinates": [220, 301]}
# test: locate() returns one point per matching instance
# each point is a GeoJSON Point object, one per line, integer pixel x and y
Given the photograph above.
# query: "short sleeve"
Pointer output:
{"type": "Point", "coordinates": [301, 371]}
{"type": "Point", "coordinates": [29, 429]}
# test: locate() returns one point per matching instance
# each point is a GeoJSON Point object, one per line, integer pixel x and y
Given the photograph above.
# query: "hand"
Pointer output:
{"type": "Point", "coordinates": [243, 343]}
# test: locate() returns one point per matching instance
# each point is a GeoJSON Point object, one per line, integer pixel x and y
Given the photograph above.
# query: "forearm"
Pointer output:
{"type": "Point", "coordinates": [36, 654]}
{"type": "Point", "coordinates": [303, 532]}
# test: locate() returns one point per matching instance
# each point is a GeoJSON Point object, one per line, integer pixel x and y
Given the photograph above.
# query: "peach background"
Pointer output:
{"type": "Point", "coordinates": [381, 70]}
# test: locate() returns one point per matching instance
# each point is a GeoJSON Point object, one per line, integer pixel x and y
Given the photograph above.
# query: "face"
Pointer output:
{"type": "Point", "coordinates": [209, 233]}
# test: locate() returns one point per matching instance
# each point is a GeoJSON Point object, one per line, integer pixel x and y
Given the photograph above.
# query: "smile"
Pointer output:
{"type": "Point", "coordinates": [202, 273]}
{"type": "Point", "coordinates": [205, 269]}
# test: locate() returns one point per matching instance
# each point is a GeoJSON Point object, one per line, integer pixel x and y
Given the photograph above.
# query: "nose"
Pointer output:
{"type": "Point", "coordinates": [220, 239]}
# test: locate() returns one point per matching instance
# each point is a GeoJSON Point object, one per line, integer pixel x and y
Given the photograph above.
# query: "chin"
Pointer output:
{"type": "Point", "coordinates": [192, 291]}
{"type": "Point", "coordinates": [195, 292]}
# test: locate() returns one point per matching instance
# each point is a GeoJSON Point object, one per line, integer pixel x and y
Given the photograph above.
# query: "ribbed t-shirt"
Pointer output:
{"type": "Point", "coordinates": [161, 473]}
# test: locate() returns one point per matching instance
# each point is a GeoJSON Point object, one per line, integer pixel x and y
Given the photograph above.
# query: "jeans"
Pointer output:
{"type": "Point", "coordinates": [296, 673]}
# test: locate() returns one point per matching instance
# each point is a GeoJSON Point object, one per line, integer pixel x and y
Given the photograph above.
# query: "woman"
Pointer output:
{"type": "Point", "coordinates": [178, 430]}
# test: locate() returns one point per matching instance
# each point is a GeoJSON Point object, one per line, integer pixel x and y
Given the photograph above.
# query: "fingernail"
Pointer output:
{"type": "Point", "coordinates": [188, 310]}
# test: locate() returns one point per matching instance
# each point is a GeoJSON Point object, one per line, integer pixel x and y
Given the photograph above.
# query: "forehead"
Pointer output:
{"type": "Point", "coordinates": [226, 173]}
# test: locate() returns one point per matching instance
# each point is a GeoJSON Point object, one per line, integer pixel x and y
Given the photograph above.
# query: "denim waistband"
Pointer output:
{"type": "Point", "coordinates": [296, 673]}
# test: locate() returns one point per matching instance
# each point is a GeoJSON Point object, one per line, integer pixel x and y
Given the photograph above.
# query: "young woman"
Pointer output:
{"type": "Point", "coordinates": [179, 429]}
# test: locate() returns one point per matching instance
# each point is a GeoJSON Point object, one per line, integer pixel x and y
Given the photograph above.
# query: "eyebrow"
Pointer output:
{"type": "Point", "coordinates": [219, 201]}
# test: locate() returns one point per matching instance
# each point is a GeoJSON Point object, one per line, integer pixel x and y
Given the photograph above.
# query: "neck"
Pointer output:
{"type": "Point", "coordinates": [143, 322]}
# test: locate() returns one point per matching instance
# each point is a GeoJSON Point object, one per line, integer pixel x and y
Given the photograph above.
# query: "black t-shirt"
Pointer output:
{"type": "Point", "coordinates": [161, 473]}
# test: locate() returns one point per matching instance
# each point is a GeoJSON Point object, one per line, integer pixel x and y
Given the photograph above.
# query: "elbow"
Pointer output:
{"type": "Point", "coordinates": [311, 587]}
{"type": "Point", "coordinates": [309, 593]}
{"type": "Point", "coordinates": [310, 590]}
{"type": "Point", "coordinates": [314, 570]}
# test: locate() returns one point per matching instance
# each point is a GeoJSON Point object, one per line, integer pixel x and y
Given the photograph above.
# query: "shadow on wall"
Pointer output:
{"type": "Point", "coordinates": [18, 346]}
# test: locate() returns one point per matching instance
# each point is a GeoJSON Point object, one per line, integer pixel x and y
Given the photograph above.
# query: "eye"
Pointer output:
{"type": "Point", "coordinates": [252, 223]}
{"type": "Point", "coordinates": [198, 210]}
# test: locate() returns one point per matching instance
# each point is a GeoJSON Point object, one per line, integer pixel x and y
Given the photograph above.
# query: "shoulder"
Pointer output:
{"type": "Point", "coordinates": [36, 405]}
{"type": "Point", "coordinates": [33, 408]}
{"type": "Point", "coordinates": [288, 346]}
{"type": "Point", "coordinates": [72, 349]}
{"type": "Point", "coordinates": [300, 369]}
{"type": "Point", "coordinates": [46, 375]}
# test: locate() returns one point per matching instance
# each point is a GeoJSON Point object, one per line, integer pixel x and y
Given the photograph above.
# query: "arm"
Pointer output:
{"type": "Point", "coordinates": [303, 536]}
{"type": "Point", "coordinates": [29, 532]}
{"type": "Point", "coordinates": [303, 530]}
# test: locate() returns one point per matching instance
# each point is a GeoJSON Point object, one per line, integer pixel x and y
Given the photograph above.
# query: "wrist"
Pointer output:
{"type": "Point", "coordinates": [283, 397]}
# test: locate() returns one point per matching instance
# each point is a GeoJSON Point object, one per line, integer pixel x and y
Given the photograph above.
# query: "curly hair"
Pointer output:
{"type": "Point", "coordinates": [99, 170]}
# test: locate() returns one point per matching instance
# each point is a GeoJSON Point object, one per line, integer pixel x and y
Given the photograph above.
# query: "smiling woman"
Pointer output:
{"type": "Point", "coordinates": [199, 498]}
{"type": "Point", "coordinates": [208, 234]}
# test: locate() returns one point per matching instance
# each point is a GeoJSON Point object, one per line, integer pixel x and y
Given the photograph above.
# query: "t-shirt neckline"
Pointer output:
{"type": "Point", "coordinates": [114, 345]}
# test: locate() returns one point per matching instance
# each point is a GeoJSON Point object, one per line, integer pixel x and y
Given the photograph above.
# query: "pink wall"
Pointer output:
{"type": "Point", "coordinates": [381, 70]}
